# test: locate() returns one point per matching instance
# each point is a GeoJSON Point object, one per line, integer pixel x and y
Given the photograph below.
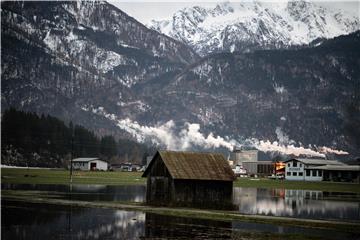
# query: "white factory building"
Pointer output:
{"type": "Point", "coordinates": [303, 169]}
{"type": "Point", "coordinates": [87, 164]}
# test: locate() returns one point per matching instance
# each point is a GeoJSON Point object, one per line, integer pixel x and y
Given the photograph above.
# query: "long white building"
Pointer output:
{"type": "Point", "coordinates": [89, 164]}
{"type": "Point", "coordinates": [307, 169]}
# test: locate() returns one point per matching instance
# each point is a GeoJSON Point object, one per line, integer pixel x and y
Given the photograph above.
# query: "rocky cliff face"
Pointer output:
{"type": "Point", "coordinates": [230, 27]}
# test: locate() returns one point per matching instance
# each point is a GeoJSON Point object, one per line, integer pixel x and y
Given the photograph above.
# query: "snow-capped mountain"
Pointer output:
{"type": "Point", "coordinates": [252, 25]}
{"type": "Point", "coordinates": [91, 63]}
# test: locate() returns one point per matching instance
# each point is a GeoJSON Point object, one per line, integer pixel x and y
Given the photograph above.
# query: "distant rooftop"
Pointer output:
{"type": "Point", "coordinates": [84, 159]}
{"type": "Point", "coordinates": [338, 167]}
{"type": "Point", "coordinates": [310, 161]}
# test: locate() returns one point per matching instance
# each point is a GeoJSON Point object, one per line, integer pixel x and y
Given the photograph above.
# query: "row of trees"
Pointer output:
{"type": "Point", "coordinates": [29, 139]}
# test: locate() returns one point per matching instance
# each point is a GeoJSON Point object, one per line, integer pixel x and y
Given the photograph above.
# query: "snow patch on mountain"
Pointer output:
{"type": "Point", "coordinates": [50, 41]}
{"type": "Point", "coordinates": [104, 60]}
{"type": "Point", "coordinates": [279, 89]}
{"type": "Point", "coordinates": [107, 60]}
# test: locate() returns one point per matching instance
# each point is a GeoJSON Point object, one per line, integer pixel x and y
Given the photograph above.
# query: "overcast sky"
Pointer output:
{"type": "Point", "coordinates": [144, 11]}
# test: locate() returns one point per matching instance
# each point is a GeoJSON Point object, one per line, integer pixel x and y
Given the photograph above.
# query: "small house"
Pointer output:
{"type": "Point", "coordinates": [189, 179]}
{"type": "Point", "coordinates": [89, 164]}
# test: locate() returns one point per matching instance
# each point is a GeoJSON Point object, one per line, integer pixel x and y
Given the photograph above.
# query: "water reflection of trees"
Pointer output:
{"type": "Point", "coordinates": [131, 193]}
{"type": "Point", "coordinates": [109, 224]}
{"type": "Point", "coordinates": [25, 213]}
{"type": "Point", "coordinates": [41, 221]}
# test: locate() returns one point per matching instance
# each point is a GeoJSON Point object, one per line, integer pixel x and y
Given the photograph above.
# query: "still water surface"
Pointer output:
{"type": "Point", "coordinates": [41, 221]}
{"type": "Point", "coordinates": [298, 203]}
{"type": "Point", "coordinates": [274, 202]}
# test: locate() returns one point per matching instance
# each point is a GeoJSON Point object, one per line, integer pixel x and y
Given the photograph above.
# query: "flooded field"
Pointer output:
{"type": "Point", "coordinates": [271, 202]}
{"type": "Point", "coordinates": [298, 203]}
{"type": "Point", "coordinates": [121, 193]}
{"type": "Point", "coordinates": [41, 221]}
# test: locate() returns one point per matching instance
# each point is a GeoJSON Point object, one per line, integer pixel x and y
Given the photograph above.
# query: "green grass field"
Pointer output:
{"type": "Point", "coordinates": [52, 176]}
{"type": "Point", "coordinates": [47, 176]}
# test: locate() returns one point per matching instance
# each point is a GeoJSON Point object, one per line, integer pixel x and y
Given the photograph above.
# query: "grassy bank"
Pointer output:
{"type": "Point", "coordinates": [50, 176]}
{"type": "Point", "coordinates": [42, 197]}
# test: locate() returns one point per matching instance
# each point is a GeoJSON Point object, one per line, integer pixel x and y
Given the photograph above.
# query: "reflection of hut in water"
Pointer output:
{"type": "Point", "coordinates": [189, 179]}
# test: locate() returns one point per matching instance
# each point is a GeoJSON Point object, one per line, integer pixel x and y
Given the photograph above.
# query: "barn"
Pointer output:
{"type": "Point", "coordinates": [89, 164]}
{"type": "Point", "coordinates": [189, 179]}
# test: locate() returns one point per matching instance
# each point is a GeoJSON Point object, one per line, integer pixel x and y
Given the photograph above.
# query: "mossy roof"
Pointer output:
{"type": "Point", "coordinates": [194, 165]}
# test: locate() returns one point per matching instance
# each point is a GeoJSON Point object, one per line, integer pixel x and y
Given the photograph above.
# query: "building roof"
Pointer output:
{"type": "Point", "coordinates": [196, 166]}
{"type": "Point", "coordinates": [84, 159]}
{"type": "Point", "coordinates": [310, 161]}
{"type": "Point", "coordinates": [259, 162]}
{"type": "Point", "coordinates": [338, 167]}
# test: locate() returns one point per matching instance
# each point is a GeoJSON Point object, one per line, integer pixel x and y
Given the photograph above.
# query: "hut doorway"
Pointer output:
{"type": "Point", "coordinates": [161, 189]}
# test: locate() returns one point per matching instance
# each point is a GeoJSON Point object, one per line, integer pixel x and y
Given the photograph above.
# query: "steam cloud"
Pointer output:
{"type": "Point", "coordinates": [267, 146]}
{"type": "Point", "coordinates": [169, 136]}
{"type": "Point", "coordinates": [166, 135]}
{"type": "Point", "coordinates": [329, 150]}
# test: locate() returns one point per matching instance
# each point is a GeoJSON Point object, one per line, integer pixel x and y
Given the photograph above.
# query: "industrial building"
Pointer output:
{"type": "Point", "coordinates": [248, 160]}
{"type": "Point", "coordinates": [320, 170]}
{"type": "Point", "coordinates": [189, 179]}
{"type": "Point", "coordinates": [89, 164]}
{"type": "Point", "coordinates": [239, 156]}
{"type": "Point", "coordinates": [259, 168]}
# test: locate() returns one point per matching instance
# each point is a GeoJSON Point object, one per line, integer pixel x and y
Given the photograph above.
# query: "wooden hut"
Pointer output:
{"type": "Point", "coordinates": [189, 179]}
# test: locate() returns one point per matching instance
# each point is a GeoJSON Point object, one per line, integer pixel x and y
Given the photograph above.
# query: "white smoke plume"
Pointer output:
{"type": "Point", "coordinates": [168, 135]}
{"type": "Point", "coordinates": [284, 145]}
{"type": "Point", "coordinates": [159, 134]}
{"type": "Point", "coordinates": [267, 146]}
{"type": "Point", "coordinates": [190, 136]}
{"type": "Point", "coordinates": [329, 150]}
{"type": "Point", "coordinates": [282, 137]}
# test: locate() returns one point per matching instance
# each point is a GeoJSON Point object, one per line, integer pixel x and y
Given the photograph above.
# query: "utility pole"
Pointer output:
{"type": "Point", "coordinates": [71, 155]}
{"type": "Point", "coordinates": [71, 171]}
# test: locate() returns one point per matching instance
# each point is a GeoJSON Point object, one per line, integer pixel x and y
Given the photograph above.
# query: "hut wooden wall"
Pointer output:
{"type": "Point", "coordinates": [203, 193]}
{"type": "Point", "coordinates": [159, 189]}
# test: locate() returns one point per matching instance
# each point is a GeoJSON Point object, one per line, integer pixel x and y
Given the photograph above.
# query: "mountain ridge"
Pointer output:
{"type": "Point", "coordinates": [82, 72]}
{"type": "Point", "coordinates": [254, 25]}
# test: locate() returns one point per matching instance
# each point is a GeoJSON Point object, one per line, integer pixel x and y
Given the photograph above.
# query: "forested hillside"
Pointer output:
{"type": "Point", "coordinates": [31, 140]}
